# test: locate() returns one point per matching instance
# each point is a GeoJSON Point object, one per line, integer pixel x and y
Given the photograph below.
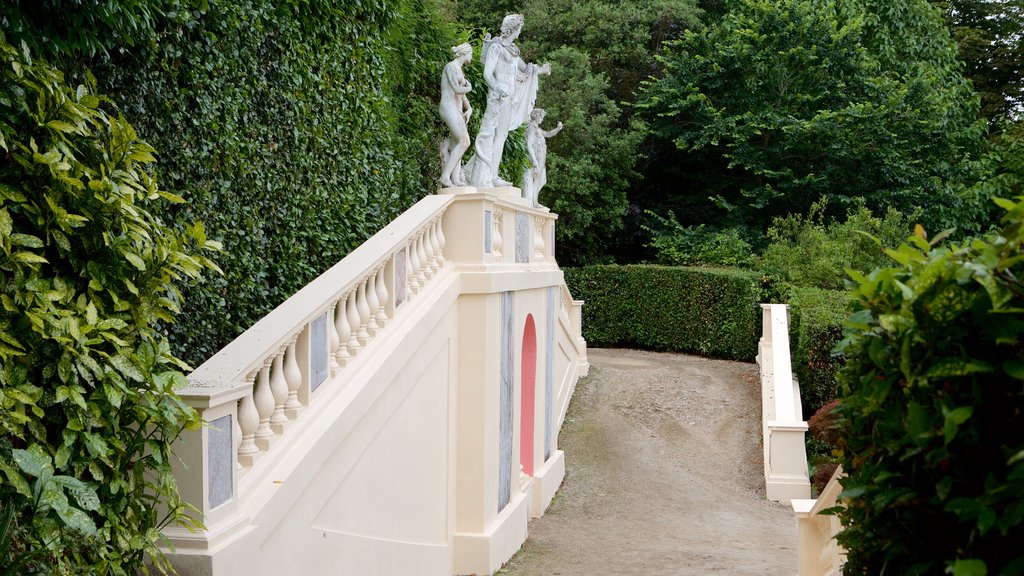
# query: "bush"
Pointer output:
{"type": "Point", "coordinates": [811, 251]}
{"type": "Point", "coordinates": [817, 326]}
{"type": "Point", "coordinates": [932, 409]}
{"type": "Point", "coordinates": [713, 312]}
{"type": "Point", "coordinates": [87, 403]}
{"type": "Point", "coordinates": [678, 245]}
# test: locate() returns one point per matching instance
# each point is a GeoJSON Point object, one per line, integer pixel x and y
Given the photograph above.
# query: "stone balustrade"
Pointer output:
{"type": "Point", "coordinates": [819, 552]}
{"type": "Point", "coordinates": [783, 426]}
{"type": "Point", "coordinates": [287, 377]}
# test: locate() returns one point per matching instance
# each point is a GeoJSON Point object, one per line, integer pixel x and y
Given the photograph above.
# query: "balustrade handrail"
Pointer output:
{"type": "Point", "coordinates": [819, 551]}
{"type": "Point", "coordinates": [228, 368]}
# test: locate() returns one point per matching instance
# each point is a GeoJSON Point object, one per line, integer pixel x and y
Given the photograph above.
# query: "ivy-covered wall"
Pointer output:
{"type": "Point", "coordinates": [294, 130]}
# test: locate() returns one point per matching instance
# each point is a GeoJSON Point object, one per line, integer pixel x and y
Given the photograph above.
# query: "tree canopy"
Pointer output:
{"type": "Point", "coordinates": [783, 102]}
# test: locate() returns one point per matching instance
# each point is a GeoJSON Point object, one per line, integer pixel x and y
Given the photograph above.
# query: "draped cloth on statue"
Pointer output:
{"type": "Point", "coordinates": [512, 92]}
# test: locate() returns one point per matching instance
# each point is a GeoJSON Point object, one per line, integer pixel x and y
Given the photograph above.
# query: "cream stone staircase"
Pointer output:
{"type": "Point", "coordinates": [399, 414]}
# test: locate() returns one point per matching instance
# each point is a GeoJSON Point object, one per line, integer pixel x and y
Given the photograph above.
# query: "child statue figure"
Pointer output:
{"type": "Point", "coordinates": [536, 176]}
{"type": "Point", "coordinates": [455, 111]}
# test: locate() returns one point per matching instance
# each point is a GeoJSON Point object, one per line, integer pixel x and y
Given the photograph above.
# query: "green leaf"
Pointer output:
{"type": "Point", "coordinates": [953, 419]}
{"type": "Point", "coordinates": [1015, 368]}
{"type": "Point", "coordinates": [6, 223]}
{"type": "Point", "coordinates": [34, 461]}
{"type": "Point", "coordinates": [135, 260]}
{"type": "Point", "coordinates": [125, 366]}
{"type": "Point", "coordinates": [951, 367]}
{"type": "Point", "coordinates": [29, 257]}
{"type": "Point", "coordinates": [969, 568]}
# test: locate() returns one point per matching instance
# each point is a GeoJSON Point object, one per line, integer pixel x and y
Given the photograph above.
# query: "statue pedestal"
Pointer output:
{"type": "Point", "coordinates": [508, 193]}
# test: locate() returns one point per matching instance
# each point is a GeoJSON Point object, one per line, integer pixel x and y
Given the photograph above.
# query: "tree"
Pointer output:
{"type": "Point", "coordinates": [988, 33]}
{"type": "Point", "coordinates": [600, 52]}
{"type": "Point", "coordinates": [786, 101]}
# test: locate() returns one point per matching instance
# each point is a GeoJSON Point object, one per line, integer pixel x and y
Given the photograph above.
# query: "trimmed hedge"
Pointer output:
{"type": "Point", "coordinates": [816, 326]}
{"type": "Point", "coordinates": [712, 312]}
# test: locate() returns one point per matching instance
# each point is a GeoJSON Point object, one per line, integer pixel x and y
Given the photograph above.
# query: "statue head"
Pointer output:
{"type": "Point", "coordinates": [464, 49]}
{"type": "Point", "coordinates": [512, 24]}
{"type": "Point", "coordinates": [537, 116]}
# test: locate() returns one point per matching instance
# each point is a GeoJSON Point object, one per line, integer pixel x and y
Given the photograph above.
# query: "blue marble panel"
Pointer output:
{"type": "Point", "coordinates": [318, 365]}
{"type": "Point", "coordinates": [552, 244]}
{"type": "Point", "coordinates": [488, 230]}
{"type": "Point", "coordinates": [549, 371]}
{"type": "Point", "coordinates": [505, 402]}
{"type": "Point", "coordinates": [523, 240]}
{"type": "Point", "coordinates": [219, 448]}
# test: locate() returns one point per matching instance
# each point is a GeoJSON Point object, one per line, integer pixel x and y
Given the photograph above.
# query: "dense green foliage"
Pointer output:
{"type": "Point", "coordinates": [785, 101]}
{"type": "Point", "coordinates": [816, 326]}
{"type": "Point", "coordinates": [807, 251]}
{"type": "Point", "coordinates": [73, 29]}
{"type": "Point", "coordinates": [678, 245]}
{"type": "Point", "coordinates": [988, 33]}
{"type": "Point", "coordinates": [295, 129]}
{"type": "Point", "coordinates": [599, 52]}
{"type": "Point", "coordinates": [932, 410]}
{"type": "Point", "coordinates": [713, 312]}
{"type": "Point", "coordinates": [87, 403]}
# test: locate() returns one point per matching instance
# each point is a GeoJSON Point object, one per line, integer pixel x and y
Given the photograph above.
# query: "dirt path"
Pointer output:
{"type": "Point", "coordinates": [664, 476]}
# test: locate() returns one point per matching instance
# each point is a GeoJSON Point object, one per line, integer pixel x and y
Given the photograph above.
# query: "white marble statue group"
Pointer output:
{"type": "Point", "coordinates": [511, 93]}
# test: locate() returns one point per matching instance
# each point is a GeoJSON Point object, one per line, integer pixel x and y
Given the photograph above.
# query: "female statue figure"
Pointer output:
{"type": "Point", "coordinates": [455, 111]}
{"type": "Point", "coordinates": [536, 176]}
{"type": "Point", "coordinates": [511, 91]}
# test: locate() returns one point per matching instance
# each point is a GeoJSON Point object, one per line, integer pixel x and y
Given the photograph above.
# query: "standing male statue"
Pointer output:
{"type": "Point", "coordinates": [511, 93]}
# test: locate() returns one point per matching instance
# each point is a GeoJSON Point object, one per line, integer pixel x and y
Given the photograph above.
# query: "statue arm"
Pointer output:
{"type": "Point", "coordinates": [457, 81]}
{"type": "Point", "coordinates": [490, 68]}
{"type": "Point", "coordinates": [550, 133]}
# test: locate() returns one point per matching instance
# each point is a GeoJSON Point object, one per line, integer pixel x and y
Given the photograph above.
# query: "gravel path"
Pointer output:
{"type": "Point", "coordinates": [664, 476]}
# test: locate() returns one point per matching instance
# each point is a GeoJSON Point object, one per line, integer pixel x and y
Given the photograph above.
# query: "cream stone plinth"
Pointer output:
{"type": "Point", "coordinates": [546, 483]}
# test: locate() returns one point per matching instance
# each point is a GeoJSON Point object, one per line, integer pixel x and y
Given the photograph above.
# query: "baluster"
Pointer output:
{"type": "Point", "coordinates": [264, 400]}
{"type": "Point", "coordinates": [382, 297]}
{"type": "Point", "coordinates": [335, 343]}
{"type": "Point", "coordinates": [538, 238]}
{"type": "Point", "coordinates": [248, 422]}
{"type": "Point", "coordinates": [352, 312]}
{"type": "Point", "coordinates": [497, 243]}
{"type": "Point", "coordinates": [293, 376]}
{"type": "Point", "coordinates": [424, 265]}
{"type": "Point", "coordinates": [428, 254]}
{"type": "Point", "coordinates": [344, 331]}
{"type": "Point", "coordinates": [364, 314]}
{"type": "Point", "coordinates": [414, 265]}
{"type": "Point", "coordinates": [439, 234]}
{"type": "Point", "coordinates": [279, 389]}
{"type": "Point", "coordinates": [434, 249]}
{"type": "Point", "coordinates": [236, 437]}
{"type": "Point", "coordinates": [372, 304]}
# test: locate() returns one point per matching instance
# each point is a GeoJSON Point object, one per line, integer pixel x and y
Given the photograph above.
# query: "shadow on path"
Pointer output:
{"type": "Point", "coordinates": [664, 475]}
